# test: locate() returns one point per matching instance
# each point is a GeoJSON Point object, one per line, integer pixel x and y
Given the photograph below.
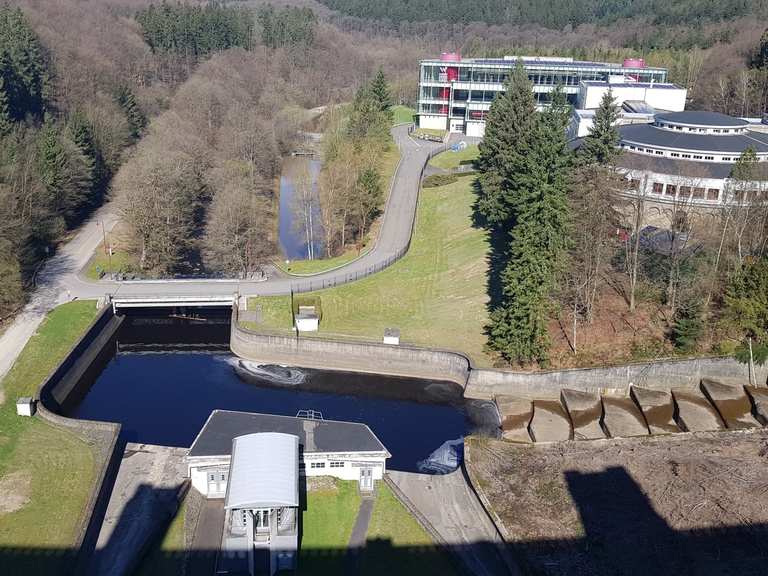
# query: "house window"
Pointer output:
{"type": "Point", "coordinates": [698, 192]}
{"type": "Point", "coordinates": [675, 155]}
{"type": "Point", "coordinates": [685, 191]}
{"type": "Point", "coordinates": [336, 464]}
{"type": "Point", "coordinates": [709, 157]}
{"type": "Point", "coordinates": [659, 152]}
{"type": "Point", "coordinates": [671, 190]}
{"type": "Point", "coordinates": [244, 517]}
{"type": "Point", "coordinates": [713, 194]}
{"type": "Point", "coordinates": [695, 157]}
{"type": "Point", "coordinates": [317, 465]}
{"type": "Point", "coordinates": [686, 155]}
{"type": "Point", "coordinates": [658, 187]}
{"type": "Point", "coordinates": [212, 477]}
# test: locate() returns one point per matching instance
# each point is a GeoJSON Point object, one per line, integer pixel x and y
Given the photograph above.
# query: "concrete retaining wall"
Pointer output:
{"type": "Point", "coordinates": [483, 384]}
{"type": "Point", "coordinates": [102, 436]}
{"type": "Point", "coordinates": [661, 375]}
{"type": "Point", "coordinates": [348, 356]}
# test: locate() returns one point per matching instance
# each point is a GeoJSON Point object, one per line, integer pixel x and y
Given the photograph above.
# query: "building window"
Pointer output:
{"type": "Point", "coordinates": [212, 477]}
{"type": "Point", "coordinates": [658, 187]}
{"type": "Point", "coordinates": [695, 157]}
{"type": "Point", "coordinates": [336, 464]}
{"type": "Point", "coordinates": [675, 154]}
{"type": "Point", "coordinates": [635, 184]}
{"type": "Point", "coordinates": [698, 192]}
{"type": "Point", "coordinates": [713, 194]}
{"type": "Point", "coordinates": [244, 517]}
{"type": "Point", "coordinates": [686, 155]}
{"type": "Point", "coordinates": [726, 158]}
{"type": "Point", "coordinates": [717, 130]}
{"type": "Point", "coordinates": [685, 191]}
{"type": "Point", "coordinates": [709, 157]}
{"type": "Point", "coordinates": [671, 190]}
{"type": "Point", "coordinates": [659, 152]}
{"type": "Point", "coordinates": [317, 465]}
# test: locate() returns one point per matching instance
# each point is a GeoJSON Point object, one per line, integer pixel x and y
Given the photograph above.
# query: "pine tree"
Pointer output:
{"type": "Point", "coordinates": [380, 91]}
{"type": "Point", "coordinates": [133, 113]}
{"type": "Point", "coordinates": [508, 128]}
{"type": "Point", "coordinates": [601, 145]}
{"type": "Point", "coordinates": [538, 240]}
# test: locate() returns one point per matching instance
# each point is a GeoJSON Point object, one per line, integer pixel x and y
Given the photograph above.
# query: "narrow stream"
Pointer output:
{"type": "Point", "coordinates": [299, 199]}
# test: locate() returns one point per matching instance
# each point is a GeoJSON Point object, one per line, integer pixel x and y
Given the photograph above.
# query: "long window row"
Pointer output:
{"type": "Point", "coordinates": [703, 156]}
{"type": "Point", "coordinates": [447, 73]}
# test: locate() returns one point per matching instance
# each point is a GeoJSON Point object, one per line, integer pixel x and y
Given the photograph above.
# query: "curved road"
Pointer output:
{"type": "Point", "coordinates": [59, 280]}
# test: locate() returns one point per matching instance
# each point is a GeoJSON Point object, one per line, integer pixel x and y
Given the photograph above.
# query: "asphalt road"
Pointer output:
{"type": "Point", "coordinates": [59, 280]}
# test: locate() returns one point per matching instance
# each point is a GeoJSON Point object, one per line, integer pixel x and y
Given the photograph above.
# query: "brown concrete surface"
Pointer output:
{"type": "Point", "coordinates": [516, 415]}
{"type": "Point", "coordinates": [731, 402]}
{"type": "Point", "coordinates": [550, 422]}
{"type": "Point", "coordinates": [622, 418]}
{"type": "Point", "coordinates": [695, 413]}
{"type": "Point", "coordinates": [586, 411]}
{"type": "Point", "coordinates": [658, 409]}
{"type": "Point", "coordinates": [455, 514]}
{"type": "Point", "coordinates": [759, 398]}
{"type": "Point", "coordinates": [144, 498]}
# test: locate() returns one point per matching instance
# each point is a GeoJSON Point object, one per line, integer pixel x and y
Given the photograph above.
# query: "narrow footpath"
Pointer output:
{"type": "Point", "coordinates": [357, 539]}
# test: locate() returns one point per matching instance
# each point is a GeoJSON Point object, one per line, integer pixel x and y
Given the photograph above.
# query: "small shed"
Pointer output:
{"type": "Point", "coordinates": [392, 336]}
{"type": "Point", "coordinates": [25, 406]}
{"type": "Point", "coordinates": [307, 319]}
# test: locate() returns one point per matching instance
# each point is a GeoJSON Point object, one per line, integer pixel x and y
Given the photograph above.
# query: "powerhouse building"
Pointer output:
{"type": "Point", "coordinates": [684, 160]}
{"type": "Point", "coordinates": [455, 93]}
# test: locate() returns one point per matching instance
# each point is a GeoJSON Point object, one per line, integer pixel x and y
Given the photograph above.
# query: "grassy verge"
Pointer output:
{"type": "Point", "coordinates": [451, 160]}
{"type": "Point", "coordinates": [47, 472]}
{"type": "Point", "coordinates": [429, 132]}
{"type": "Point", "coordinates": [402, 114]}
{"type": "Point", "coordinates": [327, 525]}
{"type": "Point", "coordinates": [436, 294]}
{"type": "Point", "coordinates": [320, 265]}
{"type": "Point", "coordinates": [100, 263]}
{"type": "Point", "coordinates": [166, 557]}
{"type": "Point", "coordinates": [395, 538]}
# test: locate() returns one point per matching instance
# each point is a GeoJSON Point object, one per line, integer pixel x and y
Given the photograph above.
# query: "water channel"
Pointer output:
{"type": "Point", "coordinates": [163, 375]}
{"type": "Point", "coordinates": [299, 225]}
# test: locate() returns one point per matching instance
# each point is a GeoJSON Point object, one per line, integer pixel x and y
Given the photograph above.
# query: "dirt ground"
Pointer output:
{"type": "Point", "coordinates": [15, 490]}
{"type": "Point", "coordinates": [615, 335]}
{"type": "Point", "coordinates": [679, 504]}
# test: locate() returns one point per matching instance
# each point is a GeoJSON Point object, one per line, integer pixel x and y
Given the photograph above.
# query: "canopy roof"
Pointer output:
{"type": "Point", "coordinates": [264, 472]}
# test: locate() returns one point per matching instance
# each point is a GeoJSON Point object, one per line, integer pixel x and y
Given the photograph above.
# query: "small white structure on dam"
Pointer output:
{"type": "Point", "coordinates": [344, 450]}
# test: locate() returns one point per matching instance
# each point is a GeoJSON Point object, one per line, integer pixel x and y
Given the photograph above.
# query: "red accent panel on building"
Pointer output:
{"type": "Point", "coordinates": [445, 93]}
{"type": "Point", "coordinates": [443, 109]}
{"type": "Point", "coordinates": [453, 73]}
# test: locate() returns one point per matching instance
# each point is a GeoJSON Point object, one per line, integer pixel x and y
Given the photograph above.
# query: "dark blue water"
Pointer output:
{"type": "Point", "coordinates": [165, 398]}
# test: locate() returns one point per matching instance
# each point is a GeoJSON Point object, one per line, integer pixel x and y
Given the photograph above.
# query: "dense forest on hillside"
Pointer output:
{"type": "Point", "coordinates": [549, 13]}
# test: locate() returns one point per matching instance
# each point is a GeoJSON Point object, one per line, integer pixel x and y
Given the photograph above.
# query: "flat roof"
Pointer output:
{"type": "Point", "coordinates": [630, 84]}
{"type": "Point", "coordinates": [264, 472]}
{"type": "Point", "coordinates": [650, 135]}
{"type": "Point", "coordinates": [702, 118]}
{"type": "Point", "coordinates": [533, 61]}
{"type": "Point", "coordinates": [223, 426]}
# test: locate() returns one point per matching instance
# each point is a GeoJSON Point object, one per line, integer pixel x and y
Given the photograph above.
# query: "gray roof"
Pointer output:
{"type": "Point", "coordinates": [650, 135]}
{"type": "Point", "coordinates": [264, 472]}
{"type": "Point", "coordinates": [702, 118]}
{"type": "Point", "coordinates": [683, 168]}
{"type": "Point", "coordinates": [223, 426]}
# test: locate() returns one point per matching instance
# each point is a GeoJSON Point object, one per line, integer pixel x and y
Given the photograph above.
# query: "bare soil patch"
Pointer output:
{"type": "Point", "coordinates": [679, 504]}
{"type": "Point", "coordinates": [15, 491]}
{"type": "Point", "coordinates": [321, 484]}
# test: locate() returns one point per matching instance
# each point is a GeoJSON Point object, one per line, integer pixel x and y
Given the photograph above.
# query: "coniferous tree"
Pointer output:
{"type": "Point", "coordinates": [137, 120]}
{"type": "Point", "coordinates": [601, 145]}
{"type": "Point", "coordinates": [509, 124]}
{"type": "Point", "coordinates": [380, 91]}
{"type": "Point", "coordinates": [538, 240]}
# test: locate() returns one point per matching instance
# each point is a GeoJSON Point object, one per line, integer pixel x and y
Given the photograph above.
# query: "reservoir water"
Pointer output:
{"type": "Point", "coordinates": [300, 209]}
{"type": "Point", "coordinates": [162, 390]}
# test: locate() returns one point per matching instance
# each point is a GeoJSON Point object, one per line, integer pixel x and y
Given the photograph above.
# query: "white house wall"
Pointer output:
{"type": "Point", "coordinates": [432, 122]}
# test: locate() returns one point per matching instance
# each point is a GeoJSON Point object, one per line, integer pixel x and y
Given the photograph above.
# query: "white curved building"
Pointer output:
{"type": "Point", "coordinates": [687, 158]}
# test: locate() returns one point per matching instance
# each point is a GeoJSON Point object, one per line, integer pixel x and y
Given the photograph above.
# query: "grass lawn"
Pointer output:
{"type": "Point", "coordinates": [429, 132]}
{"type": "Point", "coordinates": [450, 160]}
{"type": "Point", "coordinates": [326, 527]}
{"type": "Point", "coordinates": [401, 114]}
{"type": "Point", "coordinates": [166, 557]}
{"type": "Point", "coordinates": [436, 294]}
{"type": "Point", "coordinates": [121, 262]}
{"type": "Point", "coordinates": [47, 472]}
{"type": "Point", "coordinates": [395, 538]}
{"type": "Point", "coordinates": [320, 265]}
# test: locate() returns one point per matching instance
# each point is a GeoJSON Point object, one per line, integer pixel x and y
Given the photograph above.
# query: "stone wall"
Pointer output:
{"type": "Point", "coordinates": [103, 437]}
{"type": "Point", "coordinates": [310, 352]}
{"type": "Point", "coordinates": [663, 374]}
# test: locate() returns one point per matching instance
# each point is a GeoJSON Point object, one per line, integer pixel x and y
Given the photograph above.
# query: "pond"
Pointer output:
{"type": "Point", "coordinates": [162, 393]}
{"type": "Point", "coordinates": [300, 230]}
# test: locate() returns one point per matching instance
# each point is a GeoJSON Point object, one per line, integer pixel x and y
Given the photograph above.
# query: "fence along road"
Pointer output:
{"type": "Point", "coordinates": [392, 243]}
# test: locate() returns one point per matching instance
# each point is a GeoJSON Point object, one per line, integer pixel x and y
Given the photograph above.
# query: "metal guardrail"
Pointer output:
{"type": "Point", "coordinates": [310, 285]}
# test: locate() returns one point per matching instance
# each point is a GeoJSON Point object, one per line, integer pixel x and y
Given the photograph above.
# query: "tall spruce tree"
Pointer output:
{"type": "Point", "coordinates": [509, 124]}
{"type": "Point", "coordinates": [137, 120]}
{"type": "Point", "coordinates": [380, 91]}
{"type": "Point", "coordinates": [538, 238]}
{"type": "Point", "coordinates": [601, 145]}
